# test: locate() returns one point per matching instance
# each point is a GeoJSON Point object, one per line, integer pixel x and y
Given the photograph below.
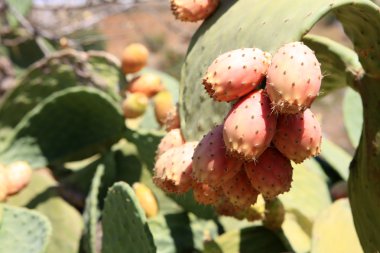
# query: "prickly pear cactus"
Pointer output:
{"type": "Point", "coordinates": [125, 228]}
{"type": "Point", "coordinates": [239, 24]}
{"type": "Point", "coordinates": [23, 230]}
{"type": "Point", "coordinates": [44, 136]}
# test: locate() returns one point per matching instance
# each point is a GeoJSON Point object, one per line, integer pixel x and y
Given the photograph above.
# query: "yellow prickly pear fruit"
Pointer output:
{"type": "Point", "coordinates": [3, 184]}
{"type": "Point", "coordinates": [163, 104]}
{"type": "Point", "coordinates": [18, 175]}
{"type": "Point", "coordinates": [148, 84]}
{"type": "Point", "coordinates": [147, 199]}
{"type": "Point", "coordinates": [134, 105]}
{"type": "Point", "coordinates": [134, 58]}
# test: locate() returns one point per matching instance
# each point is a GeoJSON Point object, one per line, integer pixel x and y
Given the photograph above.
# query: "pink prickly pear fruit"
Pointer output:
{"type": "Point", "coordinates": [274, 214]}
{"type": "Point", "coordinates": [163, 104]}
{"type": "Point", "coordinates": [294, 78]}
{"type": "Point", "coordinates": [18, 175]}
{"type": "Point", "coordinates": [172, 139]}
{"type": "Point", "coordinates": [239, 191]}
{"type": "Point", "coordinates": [249, 126]}
{"type": "Point", "coordinates": [172, 171]}
{"type": "Point", "coordinates": [211, 165]}
{"type": "Point", "coordinates": [148, 84]}
{"type": "Point", "coordinates": [298, 136]}
{"type": "Point", "coordinates": [134, 105]}
{"type": "Point", "coordinates": [172, 120]}
{"type": "Point", "coordinates": [271, 175]}
{"type": "Point", "coordinates": [193, 10]}
{"type": "Point", "coordinates": [236, 73]}
{"type": "Point", "coordinates": [3, 184]}
{"type": "Point", "coordinates": [205, 194]}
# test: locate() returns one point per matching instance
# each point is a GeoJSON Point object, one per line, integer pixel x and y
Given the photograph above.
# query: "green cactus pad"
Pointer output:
{"type": "Point", "coordinates": [125, 228]}
{"type": "Point", "coordinates": [23, 230]}
{"type": "Point", "coordinates": [54, 73]}
{"type": "Point", "coordinates": [353, 116]}
{"type": "Point", "coordinates": [252, 239]}
{"type": "Point", "coordinates": [181, 232]}
{"type": "Point", "coordinates": [41, 195]}
{"type": "Point", "coordinates": [340, 65]}
{"type": "Point", "coordinates": [334, 230]}
{"type": "Point", "coordinates": [70, 125]}
{"type": "Point", "coordinates": [92, 212]}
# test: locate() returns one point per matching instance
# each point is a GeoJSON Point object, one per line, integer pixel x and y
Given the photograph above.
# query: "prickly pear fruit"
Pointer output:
{"type": "Point", "coordinates": [3, 184]}
{"type": "Point", "coordinates": [205, 194]}
{"type": "Point", "coordinates": [18, 175]}
{"type": "Point", "coordinates": [172, 139]}
{"type": "Point", "coordinates": [211, 165]}
{"type": "Point", "coordinates": [148, 84]}
{"type": "Point", "coordinates": [294, 78]}
{"type": "Point", "coordinates": [193, 10]}
{"type": "Point", "coordinates": [226, 208]}
{"type": "Point", "coordinates": [172, 120]}
{"type": "Point", "coordinates": [249, 126]}
{"type": "Point", "coordinates": [172, 171]}
{"type": "Point", "coordinates": [339, 190]}
{"type": "Point", "coordinates": [236, 73]}
{"type": "Point", "coordinates": [163, 104]}
{"type": "Point", "coordinates": [134, 58]}
{"type": "Point", "coordinates": [274, 214]}
{"type": "Point", "coordinates": [271, 174]}
{"type": "Point", "coordinates": [239, 191]}
{"type": "Point", "coordinates": [134, 105]}
{"type": "Point", "coordinates": [298, 136]}
{"type": "Point", "coordinates": [146, 199]}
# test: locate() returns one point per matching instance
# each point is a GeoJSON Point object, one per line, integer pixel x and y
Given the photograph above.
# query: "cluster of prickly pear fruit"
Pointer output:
{"type": "Point", "coordinates": [193, 10]}
{"type": "Point", "coordinates": [251, 152]}
{"type": "Point", "coordinates": [143, 87]}
{"type": "Point", "coordinates": [13, 178]}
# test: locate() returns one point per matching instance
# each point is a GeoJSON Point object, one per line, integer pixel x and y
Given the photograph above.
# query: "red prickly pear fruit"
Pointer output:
{"type": "Point", "coordinates": [226, 208]}
{"type": "Point", "coordinates": [134, 58]}
{"type": "Point", "coordinates": [172, 139]}
{"type": "Point", "coordinates": [18, 175]}
{"type": "Point", "coordinates": [172, 120]}
{"type": "Point", "coordinates": [211, 165]}
{"type": "Point", "coordinates": [249, 126]}
{"type": "Point", "coordinates": [239, 191]}
{"type": "Point", "coordinates": [339, 190]}
{"type": "Point", "coordinates": [163, 104]}
{"type": "Point", "coordinates": [205, 194]}
{"type": "Point", "coordinates": [3, 184]}
{"type": "Point", "coordinates": [236, 73]}
{"type": "Point", "coordinates": [172, 171]}
{"type": "Point", "coordinates": [274, 214]}
{"type": "Point", "coordinates": [134, 105]}
{"type": "Point", "coordinates": [298, 136]}
{"type": "Point", "coordinates": [271, 175]}
{"type": "Point", "coordinates": [193, 10]}
{"type": "Point", "coordinates": [148, 84]}
{"type": "Point", "coordinates": [294, 78]}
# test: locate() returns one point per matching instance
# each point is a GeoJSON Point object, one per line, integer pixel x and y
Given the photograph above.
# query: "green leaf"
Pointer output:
{"type": "Point", "coordinates": [23, 230]}
{"type": "Point", "coordinates": [125, 227]}
{"type": "Point", "coordinates": [353, 115]}
{"type": "Point", "coordinates": [70, 125]}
